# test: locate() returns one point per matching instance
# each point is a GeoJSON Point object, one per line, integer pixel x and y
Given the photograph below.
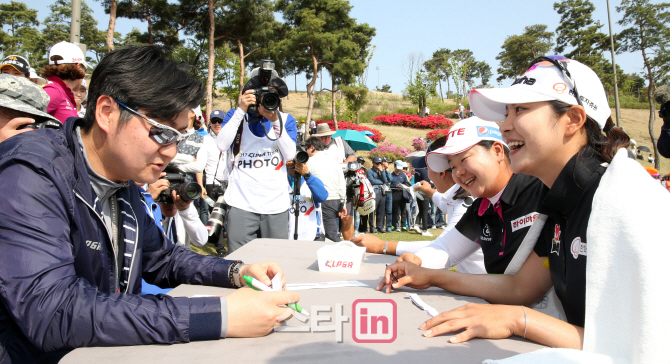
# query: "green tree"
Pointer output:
{"type": "Point", "coordinates": [420, 89]}
{"type": "Point", "coordinates": [322, 32]}
{"type": "Point", "coordinates": [438, 65]}
{"type": "Point", "coordinates": [581, 34]}
{"type": "Point", "coordinates": [647, 33]}
{"type": "Point", "coordinates": [17, 16]}
{"type": "Point", "coordinates": [519, 50]}
{"type": "Point", "coordinates": [247, 26]}
{"type": "Point", "coordinates": [385, 88]}
{"type": "Point", "coordinates": [57, 29]}
{"type": "Point", "coordinates": [164, 18]}
{"type": "Point", "coordinates": [356, 98]}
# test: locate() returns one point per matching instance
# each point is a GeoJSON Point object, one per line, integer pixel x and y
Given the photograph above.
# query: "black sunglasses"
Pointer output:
{"type": "Point", "coordinates": [562, 63]}
{"type": "Point", "coordinates": [216, 121]}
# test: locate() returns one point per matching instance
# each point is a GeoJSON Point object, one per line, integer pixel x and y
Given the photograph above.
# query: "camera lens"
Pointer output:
{"type": "Point", "coordinates": [270, 101]}
{"type": "Point", "coordinates": [189, 191]}
{"type": "Point", "coordinates": [302, 157]}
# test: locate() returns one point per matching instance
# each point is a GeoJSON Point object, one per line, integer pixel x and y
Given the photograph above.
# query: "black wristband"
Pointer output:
{"type": "Point", "coordinates": [306, 176]}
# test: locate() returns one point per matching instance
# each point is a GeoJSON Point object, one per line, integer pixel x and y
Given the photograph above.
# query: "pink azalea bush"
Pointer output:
{"type": "Point", "coordinates": [419, 144]}
{"type": "Point", "coordinates": [413, 121]}
{"type": "Point", "coordinates": [342, 125]}
{"type": "Point", "coordinates": [393, 152]}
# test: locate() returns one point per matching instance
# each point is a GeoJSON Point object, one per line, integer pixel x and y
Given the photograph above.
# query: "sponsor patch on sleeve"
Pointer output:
{"type": "Point", "coordinates": [524, 221]}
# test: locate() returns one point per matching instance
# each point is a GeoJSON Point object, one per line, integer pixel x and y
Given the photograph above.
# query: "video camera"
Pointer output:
{"type": "Point", "coordinates": [350, 177]}
{"type": "Point", "coordinates": [265, 96]}
{"type": "Point", "coordinates": [185, 186]}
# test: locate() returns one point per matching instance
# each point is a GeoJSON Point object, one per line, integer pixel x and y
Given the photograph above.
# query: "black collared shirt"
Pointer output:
{"type": "Point", "coordinates": [563, 239]}
{"type": "Point", "coordinates": [500, 238]}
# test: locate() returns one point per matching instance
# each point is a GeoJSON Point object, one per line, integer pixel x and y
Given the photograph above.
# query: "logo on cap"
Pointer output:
{"type": "Point", "coordinates": [560, 87]}
{"type": "Point", "coordinates": [488, 131]}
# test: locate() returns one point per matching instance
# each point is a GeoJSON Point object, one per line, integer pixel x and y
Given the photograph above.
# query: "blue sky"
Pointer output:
{"type": "Point", "coordinates": [423, 26]}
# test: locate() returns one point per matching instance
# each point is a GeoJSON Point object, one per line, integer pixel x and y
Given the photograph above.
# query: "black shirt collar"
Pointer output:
{"type": "Point", "coordinates": [570, 184]}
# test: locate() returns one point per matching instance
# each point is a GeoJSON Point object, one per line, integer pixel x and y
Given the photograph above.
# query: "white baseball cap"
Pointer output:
{"type": "Point", "coordinates": [461, 137]}
{"type": "Point", "coordinates": [66, 53]}
{"type": "Point", "coordinates": [36, 78]}
{"type": "Point", "coordinates": [545, 81]}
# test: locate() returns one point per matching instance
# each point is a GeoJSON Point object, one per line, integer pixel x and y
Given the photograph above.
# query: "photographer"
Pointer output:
{"type": "Point", "coordinates": [312, 194]}
{"type": "Point", "coordinates": [179, 220]}
{"type": "Point", "coordinates": [328, 171]}
{"type": "Point", "coordinates": [21, 103]}
{"type": "Point", "coordinates": [262, 141]}
{"type": "Point", "coordinates": [74, 249]}
{"type": "Point", "coordinates": [217, 170]}
{"type": "Point", "coordinates": [379, 179]}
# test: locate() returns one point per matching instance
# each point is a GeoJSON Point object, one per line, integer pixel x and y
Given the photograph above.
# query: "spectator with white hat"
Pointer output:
{"type": "Point", "coordinates": [36, 78]}
{"type": "Point", "coordinates": [66, 68]}
{"type": "Point", "coordinates": [80, 92]}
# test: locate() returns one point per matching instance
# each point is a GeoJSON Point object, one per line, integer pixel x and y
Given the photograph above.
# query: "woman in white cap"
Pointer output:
{"type": "Point", "coordinates": [558, 126]}
{"type": "Point", "coordinates": [65, 71]}
{"type": "Point", "coordinates": [79, 93]}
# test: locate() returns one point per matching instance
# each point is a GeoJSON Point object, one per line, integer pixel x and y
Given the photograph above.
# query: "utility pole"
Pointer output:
{"type": "Point", "coordinates": [75, 26]}
{"type": "Point", "coordinates": [377, 77]}
{"type": "Point", "coordinates": [616, 87]}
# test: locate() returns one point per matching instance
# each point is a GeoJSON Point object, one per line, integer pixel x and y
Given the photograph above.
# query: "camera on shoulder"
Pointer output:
{"type": "Point", "coordinates": [265, 96]}
{"type": "Point", "coordinates": [183, 183]}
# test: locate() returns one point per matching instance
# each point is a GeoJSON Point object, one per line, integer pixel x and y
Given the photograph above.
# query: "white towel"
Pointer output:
{"type": "Point", "coordinates": [628, 241]}
{"type": "Point", "coordinates": [554, 356]}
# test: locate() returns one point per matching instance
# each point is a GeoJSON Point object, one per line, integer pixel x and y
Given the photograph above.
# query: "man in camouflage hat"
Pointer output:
{"type": "Point", "coordinates": [21, 103]}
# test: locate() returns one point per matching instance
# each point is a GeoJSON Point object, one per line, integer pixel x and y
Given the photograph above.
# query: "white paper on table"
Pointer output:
{"type": "Point", "coordinates": [422, 305]}
{"type": "Point", "coordinates": [334, 284]}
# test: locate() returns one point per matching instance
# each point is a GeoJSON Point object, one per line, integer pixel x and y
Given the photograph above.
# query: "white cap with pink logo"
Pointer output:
{"type": "Point", "coordinates": [550, 78]}
{"type": "Point", "coordinates": [66, 53]}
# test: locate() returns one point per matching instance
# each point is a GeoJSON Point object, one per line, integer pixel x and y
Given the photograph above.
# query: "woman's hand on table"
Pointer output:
{"type": "Point", "coordinates": [256, 313]}
{"type": "Point", "coordinates": [372, 243]}
{"type": "Point", "coordinates": [409, 257]}
{"type": "Point", "coordinates": [478, 320]}
{"type": "Point", "coordinates": [263, 272]}
{"type": "Point", "coordinates": [407, 274]}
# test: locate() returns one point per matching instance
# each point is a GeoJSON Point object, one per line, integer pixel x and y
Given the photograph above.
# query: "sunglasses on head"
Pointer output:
{"type": "Point", "coordinates": [161, 134]}
{"type": "Point", "coordinates": [216, 121]}
{"type": "Point", "coordinates": [562, 64]}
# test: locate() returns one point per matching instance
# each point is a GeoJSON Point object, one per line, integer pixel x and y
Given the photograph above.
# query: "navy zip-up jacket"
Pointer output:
{"type": "Point", "coordinates": [59, 286]}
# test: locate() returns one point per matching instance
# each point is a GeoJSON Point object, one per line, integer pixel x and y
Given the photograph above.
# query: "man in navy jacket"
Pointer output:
{"type": "Point", "coordinates": [76, 241]}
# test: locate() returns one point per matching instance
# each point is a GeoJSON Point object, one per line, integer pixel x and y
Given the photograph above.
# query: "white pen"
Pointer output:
{"type": "Point", "coordinates": [258, 285]}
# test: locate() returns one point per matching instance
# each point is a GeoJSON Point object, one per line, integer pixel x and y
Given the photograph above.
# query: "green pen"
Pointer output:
{"type": "Point", "coordinates": [257, 285]}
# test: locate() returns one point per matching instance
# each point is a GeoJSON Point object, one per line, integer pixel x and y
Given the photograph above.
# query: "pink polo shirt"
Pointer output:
{"type": "Point", "coordinates": [61, 103]}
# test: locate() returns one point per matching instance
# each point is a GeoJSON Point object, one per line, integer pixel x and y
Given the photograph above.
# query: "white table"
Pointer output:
{"type": "Point", "coordinates": [298, 260]}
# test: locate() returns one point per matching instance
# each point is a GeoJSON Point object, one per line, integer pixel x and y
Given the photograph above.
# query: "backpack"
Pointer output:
{"type": "Point", "coordinates": [364, 195]}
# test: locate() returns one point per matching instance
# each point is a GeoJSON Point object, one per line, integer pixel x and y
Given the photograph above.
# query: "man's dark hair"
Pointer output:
{"type": "Point", "coordinates": [143, 78]}
{"type": "Point", "coordinates": [314, 142]}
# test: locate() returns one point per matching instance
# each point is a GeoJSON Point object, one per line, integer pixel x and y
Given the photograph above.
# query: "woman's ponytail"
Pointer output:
{"type": "Point", "coordinates": [607, 144]}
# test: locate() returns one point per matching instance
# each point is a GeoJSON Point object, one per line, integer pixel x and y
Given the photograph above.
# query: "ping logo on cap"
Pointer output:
{"type": "Point", "coordinates": [488, 131]}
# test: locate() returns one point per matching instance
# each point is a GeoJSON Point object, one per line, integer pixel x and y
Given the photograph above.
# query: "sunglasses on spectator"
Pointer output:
{"type": "Point", "coordinates": [161, 134]}
{"type": "Point", "coordinates": [216, 121]}
{"type": "Point", "coordinates": [562, 64]}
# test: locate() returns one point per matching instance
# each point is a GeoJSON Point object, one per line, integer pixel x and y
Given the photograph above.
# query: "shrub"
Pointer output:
{"type": "Point", "coordinates": [419, 144]}
{"type": "Point", "coordinates": [413, 121]}
{"type": "Point", "coordinates": [435, 134]}
{"type": "Point", "coordinates": [342, 125]}
{"type": "Point", "coordinates": [393, 152]}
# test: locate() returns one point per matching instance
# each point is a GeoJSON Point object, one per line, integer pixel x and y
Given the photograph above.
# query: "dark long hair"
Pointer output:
{"type": "Point", "coordinates": [606, 145]}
